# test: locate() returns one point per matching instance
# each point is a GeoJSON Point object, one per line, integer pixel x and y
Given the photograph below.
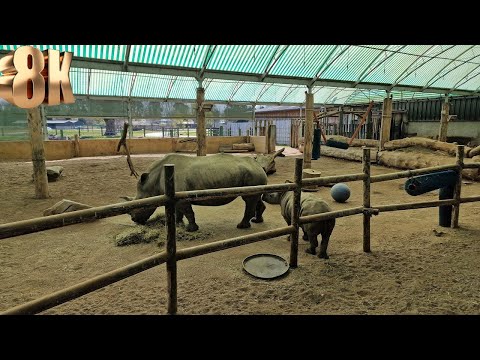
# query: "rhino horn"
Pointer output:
{"type": "Point", "coordinates": [279, 153]}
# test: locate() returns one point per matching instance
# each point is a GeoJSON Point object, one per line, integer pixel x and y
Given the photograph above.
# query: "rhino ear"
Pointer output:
{"type": "Point", "coordinates": [143, 178]}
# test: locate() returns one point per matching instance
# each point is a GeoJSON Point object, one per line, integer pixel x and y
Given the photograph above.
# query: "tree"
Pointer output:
{"type": "Point", "coordinates": [238, 110]}
{"type": "Point", "coordinates": [110, 129]}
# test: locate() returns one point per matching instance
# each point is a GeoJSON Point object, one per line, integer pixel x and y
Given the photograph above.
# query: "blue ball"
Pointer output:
{"type": "Point", "coordinates": [340, 192]}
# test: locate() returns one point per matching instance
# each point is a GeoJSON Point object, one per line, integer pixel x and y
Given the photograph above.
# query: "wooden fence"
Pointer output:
{"type": "Point", "coordinates": [171, 255]}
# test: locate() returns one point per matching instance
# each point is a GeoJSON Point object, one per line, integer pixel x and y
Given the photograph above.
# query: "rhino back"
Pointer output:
{"type": "Point", "coordinates": [223, 170]}
{"type": "Point", "coordinates": [309, 205]}
{"type": "Point", "coordinates": [206, 172]}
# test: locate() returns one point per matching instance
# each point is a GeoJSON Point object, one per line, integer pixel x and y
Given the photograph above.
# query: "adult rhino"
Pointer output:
{"type": "Point", "coordinates": [206, 172]}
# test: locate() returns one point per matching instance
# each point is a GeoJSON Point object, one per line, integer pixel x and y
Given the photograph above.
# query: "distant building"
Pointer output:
{"type": "Point", "coordinates": [65, 124]}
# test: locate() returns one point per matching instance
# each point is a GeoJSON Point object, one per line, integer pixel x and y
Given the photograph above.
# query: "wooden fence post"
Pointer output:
{"type": "Point", "coordinates": [297, 193]}
{"type": "Point", "coordinates": [366, 199]}
{"type": "Point", "coordinates": [171, 239]}
{"type": "Point", "coordinates": [458, 186]}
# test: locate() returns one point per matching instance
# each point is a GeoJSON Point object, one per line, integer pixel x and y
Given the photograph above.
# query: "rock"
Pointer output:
{"type": "Point", "coordinates": [64, 206]}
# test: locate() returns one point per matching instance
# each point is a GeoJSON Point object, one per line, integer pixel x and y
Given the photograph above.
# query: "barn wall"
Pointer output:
{"type": "Point", "coordinates": [469, 129]}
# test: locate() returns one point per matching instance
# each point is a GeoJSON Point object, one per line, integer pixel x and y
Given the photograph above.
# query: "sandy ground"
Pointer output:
{"type": "Point", "coordinates": [411, 270]}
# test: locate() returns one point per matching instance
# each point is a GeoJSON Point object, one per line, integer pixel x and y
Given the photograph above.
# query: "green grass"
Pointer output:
{"type": "Point", "coordinates": [92, 133]}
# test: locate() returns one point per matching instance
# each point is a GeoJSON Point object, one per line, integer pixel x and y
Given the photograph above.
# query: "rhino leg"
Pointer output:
{"type": "Point", "coordinates": [250, 205]}
{"type": "Point", "coordinates": [323, 247]}
{"type": "Point", "coordinates": [327, 231]}
{"type": "Point", "coordinates": [186, 208]}
{"type": "Point", "coordinates": [305, 236]}
{"type": "Point", "coordinates": [312, 237]}
{"type": "Point", "coordinates": [259, 209]}
{"type": "Point", "coordinates": [178, 216]}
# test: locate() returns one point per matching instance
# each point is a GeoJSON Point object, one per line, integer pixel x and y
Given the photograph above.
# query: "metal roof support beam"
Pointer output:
{"type": "Point", "coordinates": [224, 75]}
{"type": "Point", "coordinates": [132, 85]}
{"type": "Point", "coordinates": [190, 101]}
{"type": "Point", "coordinates": [273, 60]}
{"type": "Point", "coordinates": [264, 89]}
{"type": "Point", "coordinates": [127, 57]}
{"type": "Point", "coordinates": [324, 67]}
{"type": "Point", "coordinates": [170, 86]}
{"type": "Point", "coordinates": [208, 56]}
{"type": "Point", "coordinates": [235, 90]}
{"type": "Point", "coordinates": [332, 94]}
{"type": "Point", "coordinates": [407, 71]}
{"type": "Point", "coordinates": [466, 78]}
{"type": "Point", "coordinates": [288, 92]}
{"type": "Point", "coordinates": [364, 74]}
{"type": "Point", "coordinates": [430, 82]}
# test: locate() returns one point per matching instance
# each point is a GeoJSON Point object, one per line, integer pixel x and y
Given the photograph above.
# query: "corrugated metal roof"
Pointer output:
{"type": "Point", "coordinates": [273, 74]}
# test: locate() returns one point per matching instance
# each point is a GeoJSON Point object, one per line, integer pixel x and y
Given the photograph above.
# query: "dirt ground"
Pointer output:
{"type": "Point", "coordinates": [411, 270]}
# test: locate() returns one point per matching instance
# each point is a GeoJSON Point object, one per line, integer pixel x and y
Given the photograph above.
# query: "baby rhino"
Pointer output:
{"type": "Point", "coordinates": [309, 205]}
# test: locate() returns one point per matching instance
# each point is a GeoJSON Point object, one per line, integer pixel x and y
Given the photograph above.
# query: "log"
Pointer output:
{"type": "Point", "coordinates": [308, 174]}
{"type": "Point", "coordinates": [473, 152]}
{"type": "Point", "coordinates": [355, 142]}
{"type": "Point", "coordinates": [54, 172]}
{"type": "Point", "coordinates": [64, 206]}
{"type": "Point", "coordinates": [244, 146]}
{"type": "Point", "coordinates": [449, 148]}
{"type": "Point", "coordinates": [412, 160]}
{"type": "Point", "coordinates": [354, 154]}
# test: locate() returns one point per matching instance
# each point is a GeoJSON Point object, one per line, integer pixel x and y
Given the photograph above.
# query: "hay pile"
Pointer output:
{"type": "Point", "coordinates": [155, 231]}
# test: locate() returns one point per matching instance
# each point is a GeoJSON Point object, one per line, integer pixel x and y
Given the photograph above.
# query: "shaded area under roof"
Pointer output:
{"type": "Point", "coordinates": [272, 74]}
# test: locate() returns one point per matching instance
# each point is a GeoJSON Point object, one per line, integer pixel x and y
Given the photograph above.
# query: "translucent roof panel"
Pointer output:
{"type": "Point", "coordinates": [110, 83]}
{"type": "Point", "coordinates": [276, 74]}
{"type": "Point", "coordinates": [242, 58]}
{"type": "Point", "coordinates": [170, 55]}
{"type": "Point", "coordinates": [303, 60]}
{"type": "Point", "coordinates": [350, 65]}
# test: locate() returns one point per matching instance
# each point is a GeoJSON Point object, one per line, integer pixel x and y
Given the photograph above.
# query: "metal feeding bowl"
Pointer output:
{"type": "Point", "coordinates": [265, 266]}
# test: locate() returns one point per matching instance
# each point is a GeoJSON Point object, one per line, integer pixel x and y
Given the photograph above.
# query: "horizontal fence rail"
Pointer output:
{"type": "Point", "coordinates": [199, 195]}
{"type": "Point", "coordinates": [54, 221]}
{"type": "Point", "coordinates": [414, 205]}
{"type": "Point", "coordinates": [472, 166]}
{"type": "Point", "coordinates": [171, 256]}
{"type": "Point", "coordinates": [331, 215]}
{"type": "Point", "coordinates": [333, 179]}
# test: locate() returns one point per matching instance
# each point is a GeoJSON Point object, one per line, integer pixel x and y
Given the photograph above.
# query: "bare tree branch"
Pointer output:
{"type": "Point", "coordinates": [123, 142]}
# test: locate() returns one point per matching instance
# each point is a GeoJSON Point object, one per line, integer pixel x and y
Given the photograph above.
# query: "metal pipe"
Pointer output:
{"type": "Point", "coordinates": [410, 173]}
